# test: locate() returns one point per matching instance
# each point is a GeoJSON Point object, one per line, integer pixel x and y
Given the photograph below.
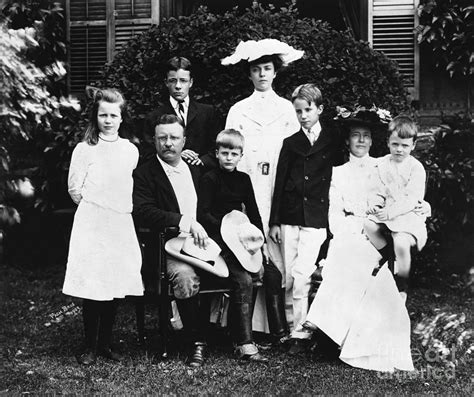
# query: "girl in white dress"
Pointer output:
{"type": "Point", "coordinates": [265, 119]}
{"type": "Point", "coordinates": [363, 313]}
{"type": "Point", "coordinates": [104, 256]}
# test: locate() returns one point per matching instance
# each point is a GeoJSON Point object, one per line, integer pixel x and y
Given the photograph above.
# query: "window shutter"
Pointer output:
{"type": "Point", "coordinates": [97, 29]}
{"type": "Point", "coordinates": [391, 31]}
{"type": "Point", "coordinates": [133, 17]}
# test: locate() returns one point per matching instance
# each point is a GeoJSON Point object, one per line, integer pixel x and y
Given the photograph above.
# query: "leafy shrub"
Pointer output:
{"type": "Point", "coordinates": [450, 165]}
{"type": "Point", "coordinates": [47, 17]}
{"type": "Point", "coordinates": [28, 111]}
{"type": "Point", "coordinates": [347, 71]}
{"type": "Point", "coordinates": [447, 26]}
{"type": "Point", "coordinates": [448, 336]}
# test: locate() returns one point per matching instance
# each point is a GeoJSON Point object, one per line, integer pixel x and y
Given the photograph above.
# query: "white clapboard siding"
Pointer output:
{"type": "Point", "coordinates": [97, 29]}
{"type": "Point", "coordinates": [391, 31]}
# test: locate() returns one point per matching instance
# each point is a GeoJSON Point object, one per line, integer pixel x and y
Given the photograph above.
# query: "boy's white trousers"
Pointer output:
{"type": "Point", "coordinates": [300, 249]}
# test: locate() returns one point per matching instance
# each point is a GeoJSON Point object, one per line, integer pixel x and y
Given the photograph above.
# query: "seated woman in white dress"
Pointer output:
{"type": "Point", "coordinates": [363, 313]}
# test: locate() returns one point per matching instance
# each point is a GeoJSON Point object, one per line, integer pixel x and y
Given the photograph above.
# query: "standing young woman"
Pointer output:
{"type": "Point", "coordinates": [265, 119]}
{"type": "Point", "coordinates": [104, 256]}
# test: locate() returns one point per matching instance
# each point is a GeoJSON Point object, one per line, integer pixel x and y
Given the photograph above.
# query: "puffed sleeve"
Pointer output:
{"type": "Point", "coordinates": [412, 194]}
{"type": "Point", "coordinates": [78, 171]}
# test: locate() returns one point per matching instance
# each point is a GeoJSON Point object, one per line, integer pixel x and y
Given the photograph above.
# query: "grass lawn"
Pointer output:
{"type": "Point", "coordinates": [38, 353]}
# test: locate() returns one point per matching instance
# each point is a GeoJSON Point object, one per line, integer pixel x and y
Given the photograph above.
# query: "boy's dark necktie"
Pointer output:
{"type": "Point", "coordinates": [181, 112]}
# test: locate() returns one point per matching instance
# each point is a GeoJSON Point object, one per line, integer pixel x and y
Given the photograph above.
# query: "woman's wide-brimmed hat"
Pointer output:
{"type": "Point", "coordinates": [208, 259]}
{"type": "Point", "coordinates": [243, 239]}
{"type": "Point", "coordinates": [371, 117]}
{"type": "Point", "coordinates": [252, 50]}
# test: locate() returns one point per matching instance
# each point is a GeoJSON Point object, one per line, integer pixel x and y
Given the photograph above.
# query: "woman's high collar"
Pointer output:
{"type": "Point", "coordinates": [264, 95]}
{"type": "Point", "coordinates": [359, 161]}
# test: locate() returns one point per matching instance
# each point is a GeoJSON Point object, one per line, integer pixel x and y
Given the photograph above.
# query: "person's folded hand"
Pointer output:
{"type": "Point", "coordinates": [199, 234]}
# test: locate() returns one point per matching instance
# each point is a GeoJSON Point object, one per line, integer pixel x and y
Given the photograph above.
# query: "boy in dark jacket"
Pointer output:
{"type": "Point", "coordinates": [299, 214]}
{"type": "Point", "coordinates": [221, 191]}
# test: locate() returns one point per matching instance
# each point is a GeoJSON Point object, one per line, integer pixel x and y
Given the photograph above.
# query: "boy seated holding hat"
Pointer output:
{"type": "Point", "coordinates": [223, 192]}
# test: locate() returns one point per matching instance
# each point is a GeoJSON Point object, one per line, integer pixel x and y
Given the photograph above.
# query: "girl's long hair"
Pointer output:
{"type": "Point", "coordinates": [97, 95]}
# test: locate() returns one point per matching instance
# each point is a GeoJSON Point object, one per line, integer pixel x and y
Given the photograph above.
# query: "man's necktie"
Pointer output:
{"type": "Point", "coordinates": [181, 112]}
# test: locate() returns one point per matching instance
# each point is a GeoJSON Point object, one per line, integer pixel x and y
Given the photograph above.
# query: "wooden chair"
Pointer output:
{"type": "Point", "coordinates": [157, 288]}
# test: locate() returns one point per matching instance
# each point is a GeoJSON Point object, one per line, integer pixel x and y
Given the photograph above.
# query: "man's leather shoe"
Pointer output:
{"type": "Point", "coordinates": [110, 354]}
{"type": "Point", "coordinates": [298, 346]}
{"type": "Point", "coordinates": [87, 358]}
{"type": "Point", "coordinates": [197, 358]}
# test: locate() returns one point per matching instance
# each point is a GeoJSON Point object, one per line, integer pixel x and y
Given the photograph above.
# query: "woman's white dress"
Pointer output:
{"type": "Point", "coordinates": [265, 120]}
{"type": "Point", "coordinates": [363, 314]}
{"type": "Point", "coordinates": [104, 259]}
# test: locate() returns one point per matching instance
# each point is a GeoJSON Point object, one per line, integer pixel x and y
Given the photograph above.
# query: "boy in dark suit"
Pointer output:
{"type": "Point", "coordinates": [222, 190]}
{"type": "Point", "coordinates": [201, 120]}
{"type": "Point", "coordinates": [299, 214]}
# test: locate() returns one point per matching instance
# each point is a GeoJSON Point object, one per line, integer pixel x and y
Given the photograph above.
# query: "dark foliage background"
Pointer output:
{"type": "Point", "coordinates": [347, 71]}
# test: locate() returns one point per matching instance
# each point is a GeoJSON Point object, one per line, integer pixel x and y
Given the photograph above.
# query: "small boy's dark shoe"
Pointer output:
{"type": "Point", "coordinates": [89, 357]}
{"type": "Point", "coordinates": [110, 354]}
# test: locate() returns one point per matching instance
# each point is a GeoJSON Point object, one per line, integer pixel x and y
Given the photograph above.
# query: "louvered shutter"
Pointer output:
{"type": "Point", "coordinates": [391, 30]}
{"type": "Point", "coordinates": [97, 29]}
{"type": "Point", "coordinates": [133, 17]}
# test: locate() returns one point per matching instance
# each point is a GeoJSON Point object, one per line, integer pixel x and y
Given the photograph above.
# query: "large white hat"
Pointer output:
{"type": "Point", "coordinates": [244, 240]}
{"type": "Point", "coordinates": [252, 50]}
{"type": "Point", "coordinates": [208, 258]}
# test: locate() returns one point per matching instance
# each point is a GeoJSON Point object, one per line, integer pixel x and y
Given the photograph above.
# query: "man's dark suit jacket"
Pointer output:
{"type": "Point", "coordinates": [155, 206]}
{"type": "Point", "coordinates": [154, 202]}
{"type": "Point", "coordinates": [301, 194]}
{"type": "Point", "coordinates": [202, 127]}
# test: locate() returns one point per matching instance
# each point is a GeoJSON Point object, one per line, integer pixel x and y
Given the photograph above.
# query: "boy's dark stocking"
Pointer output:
{"type": "Point", "coordinates": [276, 315]}
{"type": "Point", "coordinates": [385, 252]}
